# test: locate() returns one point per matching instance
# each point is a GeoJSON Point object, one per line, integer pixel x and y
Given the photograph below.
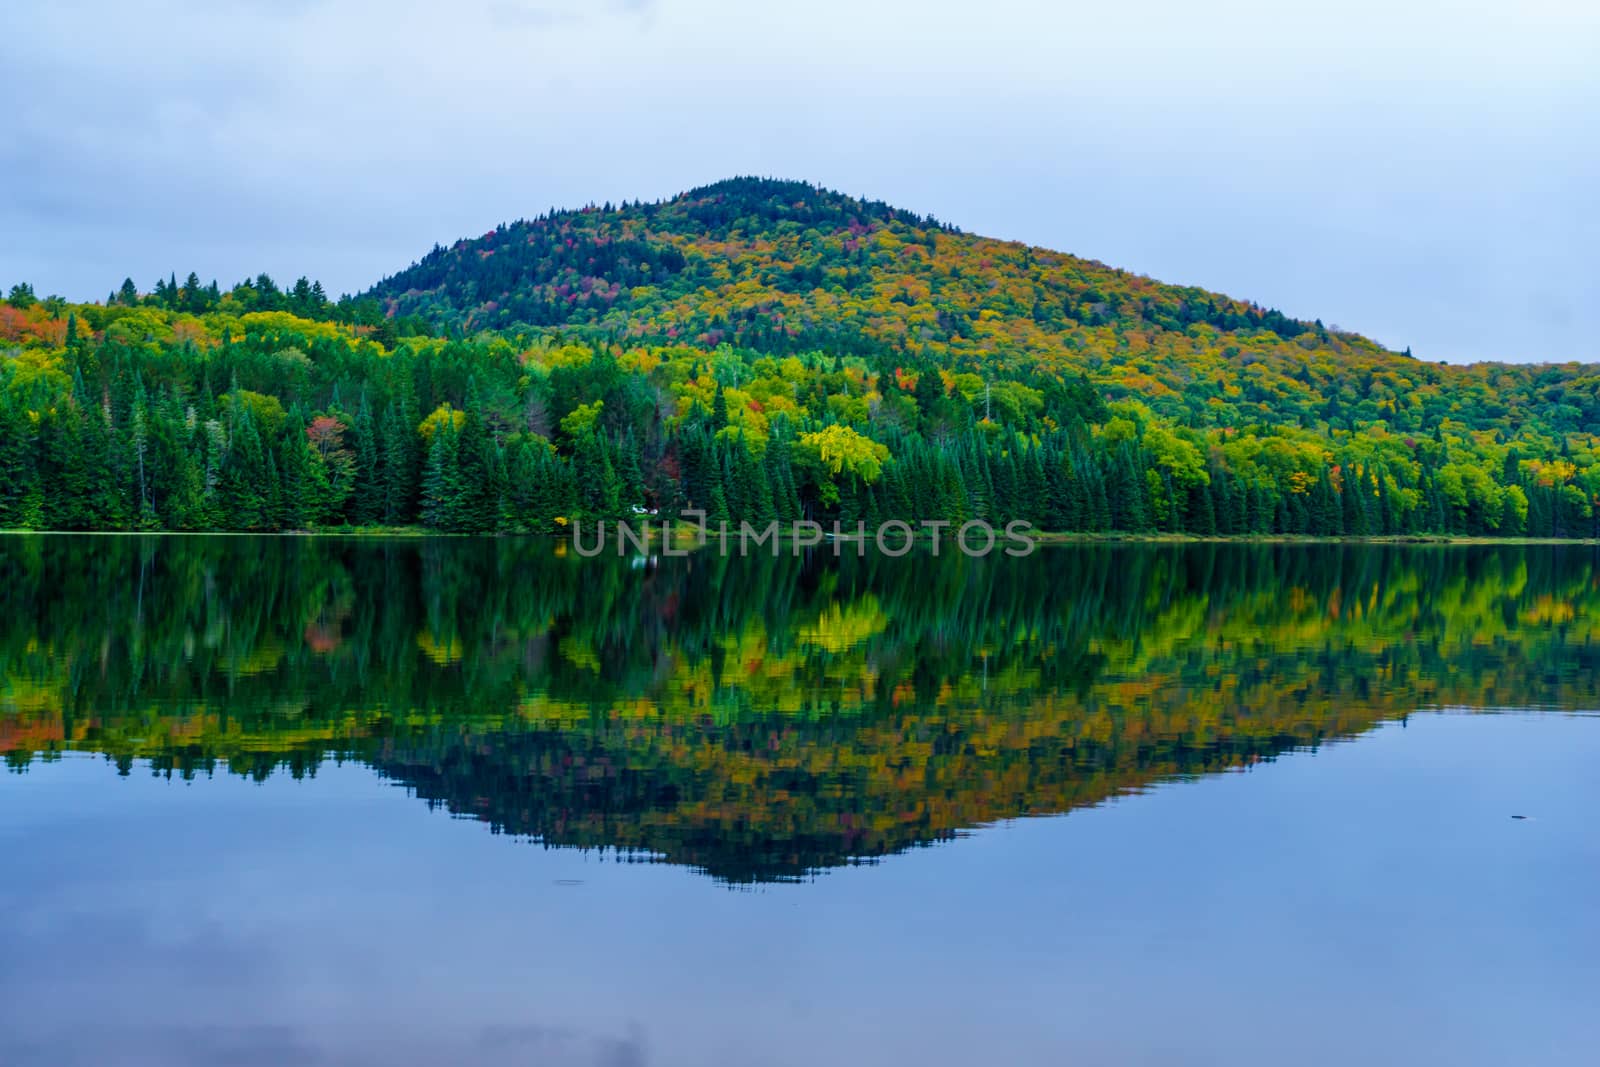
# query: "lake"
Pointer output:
{"type": "Point", "coordinates": [420, 801]}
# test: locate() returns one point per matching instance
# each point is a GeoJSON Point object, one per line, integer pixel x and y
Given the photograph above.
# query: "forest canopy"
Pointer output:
{"type": "Point", "coordinates": [764, 350]}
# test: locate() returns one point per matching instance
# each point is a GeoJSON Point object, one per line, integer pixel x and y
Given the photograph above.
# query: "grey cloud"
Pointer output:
{"type": "Point", "coordinates": [532, 1043]}
{"type": "Point", "coordinates": [350, 1045]}
{"type": "Point", "coordinates": [94, 1046]}
{"type": "Point", "coordinates": [1433, 191]}
{"type": "Point", "coordinates": [552, 13]}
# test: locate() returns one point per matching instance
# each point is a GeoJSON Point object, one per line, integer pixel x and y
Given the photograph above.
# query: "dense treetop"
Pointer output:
{"type": "Point", "coordinates": [785, 267]}
{"type": "Point", "coordinates": [764, 350]}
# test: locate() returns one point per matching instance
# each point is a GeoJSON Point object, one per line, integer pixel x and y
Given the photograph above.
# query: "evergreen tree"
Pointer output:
{"type": "Point", "coordinates": [441, 481]}
{"type": "Point", "coordinates": [367, 499]}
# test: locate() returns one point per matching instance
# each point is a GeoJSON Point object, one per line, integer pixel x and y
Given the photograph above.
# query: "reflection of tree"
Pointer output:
{"type": "Point", "coordinates": [760, 718]}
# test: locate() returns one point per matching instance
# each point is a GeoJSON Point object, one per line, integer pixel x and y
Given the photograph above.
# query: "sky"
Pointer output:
{"type": "Point", "coordinates": [1425, 173]}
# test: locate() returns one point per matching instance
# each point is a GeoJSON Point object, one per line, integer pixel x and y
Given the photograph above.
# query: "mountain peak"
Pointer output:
{"type": "Point", "coordinates": [783, 197]}
{"type": "Point", "coordinates": [782, 266]}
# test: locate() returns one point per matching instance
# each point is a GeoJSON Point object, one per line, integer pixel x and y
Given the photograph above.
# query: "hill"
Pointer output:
{"type": "Point", "coordinates": [783, 267]}
{"type": "Point", "coordinates": [763, 350]}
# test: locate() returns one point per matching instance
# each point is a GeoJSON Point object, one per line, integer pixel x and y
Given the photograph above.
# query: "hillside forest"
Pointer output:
{"type": "Point", "coordinates": [764, 350]}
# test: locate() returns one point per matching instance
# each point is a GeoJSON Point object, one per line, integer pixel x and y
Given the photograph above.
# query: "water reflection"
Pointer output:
{"type": "Point", "coordinates": [761, 718]}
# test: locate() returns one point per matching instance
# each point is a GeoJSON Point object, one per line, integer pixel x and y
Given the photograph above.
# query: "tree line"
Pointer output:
{"type": "Point", "coordinates": [136, 415]}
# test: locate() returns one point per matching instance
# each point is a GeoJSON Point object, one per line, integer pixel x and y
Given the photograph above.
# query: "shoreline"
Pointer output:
{"type": "Point", "coordinates": [685, 534]}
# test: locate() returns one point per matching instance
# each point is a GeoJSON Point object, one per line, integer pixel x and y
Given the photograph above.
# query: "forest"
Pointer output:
{"type": "Point", "coordinates": [764, 350]}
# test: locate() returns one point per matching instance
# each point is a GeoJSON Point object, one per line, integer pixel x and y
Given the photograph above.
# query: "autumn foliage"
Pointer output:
{"type": "Point", "coordinates": [760, 350]}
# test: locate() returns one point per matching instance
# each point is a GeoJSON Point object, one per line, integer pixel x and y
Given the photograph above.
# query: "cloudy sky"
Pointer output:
{"type": "Point", "coordinates": [1423, 172]}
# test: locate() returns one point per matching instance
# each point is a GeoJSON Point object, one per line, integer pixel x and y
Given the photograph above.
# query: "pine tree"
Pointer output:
{"type": "Point", "coordinates": [18, 470]}
{"type": "Point", "coordinates": [399, 466]}
{"type": "Point", "coordinates": [719, 411]}
{"type": "Point", "coordinates": [367, 498]}
{"type": "Point", "coordinates": [295, 484]}
{"type": "Point", "coordinates": [441, 481]}
{"type": "Point", "coordinates": [1201, 515]}
{"type": "Point", "coordinates": [243, 477]}
{"type": "Point", "coordinates": [599, 487]}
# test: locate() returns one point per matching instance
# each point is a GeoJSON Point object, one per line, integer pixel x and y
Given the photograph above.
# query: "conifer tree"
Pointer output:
{"type": "Point", "coordinates": [441, 481]}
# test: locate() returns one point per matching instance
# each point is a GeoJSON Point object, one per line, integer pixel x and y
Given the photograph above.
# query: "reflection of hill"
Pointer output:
{"type": "Point", "coordinates": [774, 799]}
{"type": "Point", "coordinates": [762, 718]}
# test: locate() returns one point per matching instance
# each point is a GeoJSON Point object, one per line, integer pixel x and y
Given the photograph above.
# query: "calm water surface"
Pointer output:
{"type": "Point", "coordinates": [1205, 804]}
